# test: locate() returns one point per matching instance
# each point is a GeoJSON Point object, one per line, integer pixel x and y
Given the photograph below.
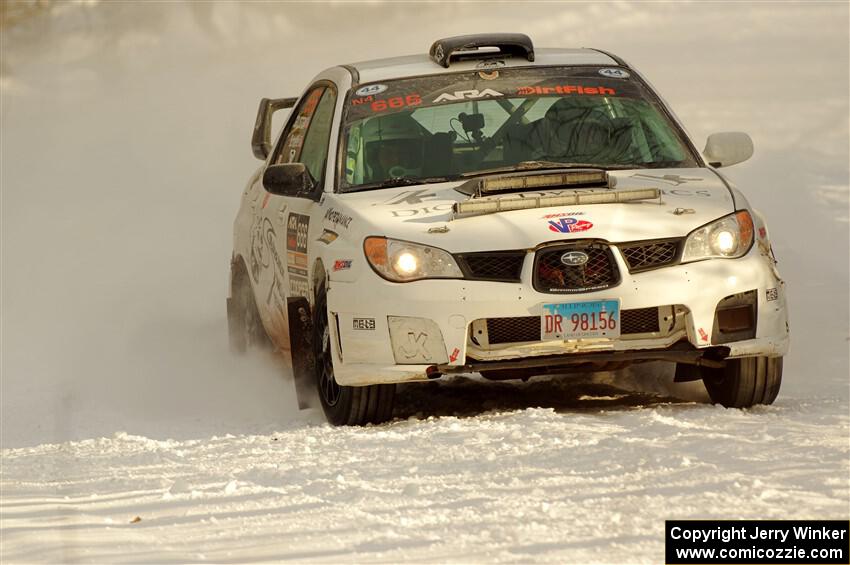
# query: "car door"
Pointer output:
{"type": "Point", "coordinates": [286, 220]}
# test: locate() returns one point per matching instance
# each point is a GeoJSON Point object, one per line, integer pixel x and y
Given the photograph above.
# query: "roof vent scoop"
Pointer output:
{"type": "Point", "coordinates": [470, 47]}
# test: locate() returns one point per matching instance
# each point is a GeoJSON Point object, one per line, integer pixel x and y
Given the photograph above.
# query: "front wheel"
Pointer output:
{"type": "Point", "coordinates": [344, 405]}
{"type": "Point", "coordinates": [745, 382]}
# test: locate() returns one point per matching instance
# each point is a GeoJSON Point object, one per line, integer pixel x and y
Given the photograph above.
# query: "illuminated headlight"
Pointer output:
{"type": "Point", "coordinates": [402, 261]}
{"type": "Point", "coordinates": [729, 237]}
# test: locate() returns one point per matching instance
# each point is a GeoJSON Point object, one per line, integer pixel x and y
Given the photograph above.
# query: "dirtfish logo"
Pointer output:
{"type": "Point", "coordinates": [467, 94]}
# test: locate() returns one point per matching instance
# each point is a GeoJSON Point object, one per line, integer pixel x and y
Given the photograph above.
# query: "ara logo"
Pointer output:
{"type": "Point", "coordinates": [467, 94]}
{"type": "Point", "coordinates": [569, 225]}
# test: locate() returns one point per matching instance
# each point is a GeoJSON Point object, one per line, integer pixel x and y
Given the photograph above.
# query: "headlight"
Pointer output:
{"type": "Point", "coordinates": [402, 261]}
{"type": "Point", "coordinates": [729, 237]}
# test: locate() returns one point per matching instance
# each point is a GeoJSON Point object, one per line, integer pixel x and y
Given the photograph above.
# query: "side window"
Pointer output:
{"type": "Point", "coordinates": [308, 137]}
{"type": "Point", "coordinates": [314, 154]}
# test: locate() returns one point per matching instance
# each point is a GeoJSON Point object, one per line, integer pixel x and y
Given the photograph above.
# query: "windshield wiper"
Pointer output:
{"type": "Point", "coordinates": [661, 165]}
{"type": "Point", "coordinates": [400, 181]}
{"type": "Point", "coordinates": [548, 165]}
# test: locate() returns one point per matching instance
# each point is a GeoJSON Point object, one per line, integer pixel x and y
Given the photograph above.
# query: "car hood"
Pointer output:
{"type": "Point", "coordinates": [689, 198]}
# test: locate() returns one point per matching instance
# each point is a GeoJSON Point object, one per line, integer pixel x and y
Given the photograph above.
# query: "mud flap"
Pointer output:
{"type": "Point", "coordinates": [301, 349]}
{"type": "Point", "coordinates": [687, 373]}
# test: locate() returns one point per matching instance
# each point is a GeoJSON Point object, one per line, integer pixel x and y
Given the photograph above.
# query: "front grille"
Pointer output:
{"type": "Point", "coordinates": [639, 320]}
{"type": "Point", "coordinates": [503, 266]}
{"type": "Point", "coordinates": [513, 330]}
{"type": "Point", "coordinates": [646, 255]}
{"type": "Point", "coordinates": [552, 275]}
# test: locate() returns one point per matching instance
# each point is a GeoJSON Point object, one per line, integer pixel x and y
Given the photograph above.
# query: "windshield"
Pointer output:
{"type": "Point", "coordinates": [447, 126]}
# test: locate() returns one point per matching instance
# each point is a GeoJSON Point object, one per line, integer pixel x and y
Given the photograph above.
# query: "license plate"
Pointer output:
{"type": "Point", "coordinates": [575, 320]}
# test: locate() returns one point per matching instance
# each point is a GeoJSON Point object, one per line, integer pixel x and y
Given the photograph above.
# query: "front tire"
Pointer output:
{"type": "Point", "coordinates": [344, 405]}
{"type": "Point", "coordinates": [745, 382]}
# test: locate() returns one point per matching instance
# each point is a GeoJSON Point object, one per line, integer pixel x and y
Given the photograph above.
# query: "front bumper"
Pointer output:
{"type": "Point", "coordinates": [373, 315]}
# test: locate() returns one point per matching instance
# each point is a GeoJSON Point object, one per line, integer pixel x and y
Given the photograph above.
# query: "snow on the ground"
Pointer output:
{"type": "Point", "coordinates": [124, 149]}
{"type": "Point", "coordinates": [575, 485]}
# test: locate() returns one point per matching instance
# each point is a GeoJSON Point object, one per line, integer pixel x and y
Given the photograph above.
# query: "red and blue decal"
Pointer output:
{"type": "Point", "coordinates": [569, 225]}
{"type": "Point", "coordinates": [342, 264]}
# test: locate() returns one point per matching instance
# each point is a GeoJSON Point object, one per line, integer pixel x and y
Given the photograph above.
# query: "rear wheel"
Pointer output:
{"type": "Point", "coordinates": [745, 382]}
{"type": "Point", "coordinates": [344, 405]}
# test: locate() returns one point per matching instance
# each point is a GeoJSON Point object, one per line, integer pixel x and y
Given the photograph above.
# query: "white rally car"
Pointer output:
{"type": "Point", "coordinates": [491, 208]}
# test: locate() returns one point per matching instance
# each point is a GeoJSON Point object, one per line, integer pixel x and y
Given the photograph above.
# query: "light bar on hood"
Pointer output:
{"type": "Point", "coordinates": [516, 182]}
{"type": "Point", "coordinates": [481, 206]}
{"type": "Point", "coordinates": [535, 181]}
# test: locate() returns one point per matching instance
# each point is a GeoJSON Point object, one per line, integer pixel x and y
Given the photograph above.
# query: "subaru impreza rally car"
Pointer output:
{"type": "Point", "coordinates": [498, 209]}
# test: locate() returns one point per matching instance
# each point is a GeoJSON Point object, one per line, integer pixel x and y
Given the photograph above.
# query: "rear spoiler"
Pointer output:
{"type": "Point", "coordinates": [481, 46]}
{"type": "Point", "coordinates": [261, 138]}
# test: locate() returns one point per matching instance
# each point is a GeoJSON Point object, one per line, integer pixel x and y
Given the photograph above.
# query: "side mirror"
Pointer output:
{"type": "Point", "coordinates": [261, 138]}
{"type": "Point", "coordinates": [290, 179]}
{"type": "Point", "coordinates": [728, 148]}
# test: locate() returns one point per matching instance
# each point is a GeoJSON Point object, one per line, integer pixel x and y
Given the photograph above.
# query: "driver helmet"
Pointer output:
{"type": "Point", "coordinates": [578, 129]}
{"type": "Point", "coordinates": [394, 146]}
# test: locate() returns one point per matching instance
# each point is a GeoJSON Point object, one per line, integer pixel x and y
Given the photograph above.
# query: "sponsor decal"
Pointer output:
{"type": "Point", "coordinates": [337, 218]}
{"type": "Point", "coordinates": [426, 211]}
{"type": "Point", "coordinates": [342, 264]}
{"type": "Point", "coordinates": [366, 324]}
{"type": "Point", "coordinates": [260, 255]}
{"type": "Point", "coordinates": [263, 254]}
{"type": "Point", "coordinates": [297, 227]}
{"type": "Point", "coordinates": [328, 237]}
{"type": "Point", "coordinates": [574, 258]}
{"type": "Point", "coordinates": [296, 232]}
{"type": "Point", "coordinates": [702, 335]}
{"type": "Point", "coordinates": [411, 197]}
{"type": "Point", "coordinates": [415, 346]}
{"type": "Point", "coordinates": [370, 89]}
{"type": "Point", "coordinates": [467, 95]}
{"type": "Point", "coordinates": [772, 294]}
{"type": "Point", "coordinates": [453, 357]}
{"type": "Point", "coordinates": [614, 73]}
{"type": "Point", "coordinates": [562, 215]}
{"type": "Point", "coordinates": [565, 89]}
{"type": "Point", "coordinates": [569, 225]}
{"type": "Point", "coordinates": [675, 180]}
